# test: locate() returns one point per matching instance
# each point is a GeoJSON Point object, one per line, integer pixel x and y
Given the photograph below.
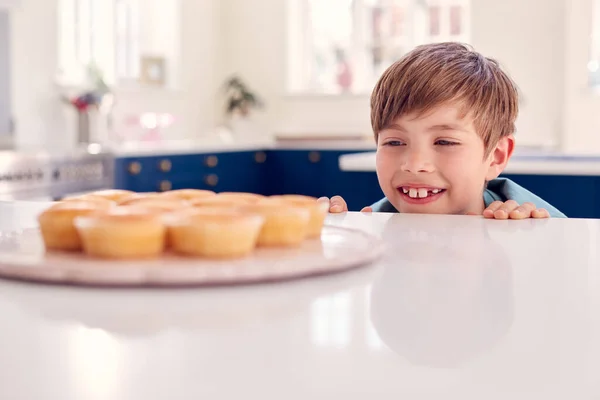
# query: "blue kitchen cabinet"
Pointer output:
{"type": "Point", "coordinates": [242, 171]}
{"type": "Point", "coordinates": [135, 174]}
{"type": "Point", "coordinates": [295, 172]}
{"type": "Point", "coordinates": [307, 172]}
{"type": "Point", "coordinates": [575, 196]}
{"type": "Point", "coordinates": [317, 173]}
{"type": "Point", "coordinates": [231, 171]}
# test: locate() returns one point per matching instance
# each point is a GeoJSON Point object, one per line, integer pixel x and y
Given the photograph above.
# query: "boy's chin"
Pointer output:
{"type": "Point", "coordinates": [435, 207]}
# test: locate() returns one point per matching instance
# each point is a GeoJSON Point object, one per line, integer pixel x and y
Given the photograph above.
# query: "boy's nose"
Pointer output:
{"type": "Point", "coordinates": [417, 162]}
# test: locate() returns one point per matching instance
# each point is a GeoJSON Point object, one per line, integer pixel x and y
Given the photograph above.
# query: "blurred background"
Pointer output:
{"type": "Point", "coordinates": [124, 74]}
{"type": "Point", "coordinates": [313, 62]}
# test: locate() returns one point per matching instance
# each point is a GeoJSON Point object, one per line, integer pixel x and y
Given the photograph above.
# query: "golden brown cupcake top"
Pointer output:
{"type": "Point", "coordinates": [273, 207]}
{"type": "Point", "coordinates": [250, 197]}
{"type": "Point", "coordinates": [113, 194]}
{"type": "Point", "coordinates": [295, 198]}
{"type": "Point", "coordinates": [157, 205]}
{"type": "Point", "coordinates": [211, 214]}
{"type": "Point", "coordinates": [118, 216]}
{"type": "Point", "coordinates": [77, 205]}
{"type": "Point", "coordinates": [68, 210]}
{"type": "Point", "coordinates": [300, 201]}
{"type": "Point", "coordinates": [136, 200]}
{"type": "Point", "coordinates": [221, 201]}
{"type": "Point", "coordinates": [90, 198]}
{"type": "Point", "coordinates": [188, 194]}
{"type": "Point", "coordinates": [133, 197]}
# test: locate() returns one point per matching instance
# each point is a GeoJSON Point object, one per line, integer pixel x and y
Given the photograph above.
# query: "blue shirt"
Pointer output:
{"type": "Point", "coordinates": [500, 189]}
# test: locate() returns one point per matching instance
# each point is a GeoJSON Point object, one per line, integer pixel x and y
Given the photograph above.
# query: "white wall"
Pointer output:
{"type": "Point", "coordinates": [527, 37]}
{"type": "Point", "coordinates": [36, 106]}
{"type": "Point", "coordinates": [192, 101]}
{"type": "Point", "coordinates": [255, 45]}
{"type": "Point", "coordinates": [582, 117]}
{"type": "Point", "coordinates": [542, 43]}
{"type": "Point", "coordinates": [43, 121]}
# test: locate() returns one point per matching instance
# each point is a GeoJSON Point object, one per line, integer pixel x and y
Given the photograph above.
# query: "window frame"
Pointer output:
{"type": "Point", "coordinates": [298, 68]}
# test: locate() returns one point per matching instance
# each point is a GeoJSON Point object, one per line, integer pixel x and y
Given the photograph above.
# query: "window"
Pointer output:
{"type": "Point", "coordinates": [99, 34]}
{"type": "Point", "coordinates": [594, 62]}
{"type": "Point", "coordinates": [118, 37]}
{"type": "Point", "coordinates": [5, 98]}
{"type": "Point", "coordinates": [343, 46]}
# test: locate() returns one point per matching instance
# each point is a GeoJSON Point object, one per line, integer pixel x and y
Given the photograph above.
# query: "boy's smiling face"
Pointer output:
{"type": "Point", "coordinates": [436, 163]}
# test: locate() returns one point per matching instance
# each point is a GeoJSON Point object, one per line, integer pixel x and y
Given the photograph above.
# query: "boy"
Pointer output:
{"type": "Point", "coordinates": [444, 118]}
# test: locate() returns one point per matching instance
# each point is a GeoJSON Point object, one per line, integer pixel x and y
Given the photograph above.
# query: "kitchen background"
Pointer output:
{"type": "Point", "coordinates": [311, 62]}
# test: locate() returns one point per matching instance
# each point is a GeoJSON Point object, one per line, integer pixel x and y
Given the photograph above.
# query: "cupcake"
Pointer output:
{"type": "Point", "coordinates": [130, 198]}
{"type": "Point", "coordinates": [113, 194]}
{"type": "Point", "coordinates": [122, 233]}
{"type": "Point", "coordinates": [220, 201]}
{"type": "Point", "coordinates": [156, 204]}
{"type": "Point", "coordinates": [89, 198]}
{"type": "Point", "coordinates": [154, 199]}
{"type": "Point", "coordinates": [318, 211]}
{"type": "Point", "coordinates": [57, 223]}
{"type": "Point", "coordinates": [248, 197]}
{"type": "Point", "coordinates": [188, 194]}
{"type": "Point", "coordinates": [285, 225]}
{"type": "Point", "coordinates": [214, 233]}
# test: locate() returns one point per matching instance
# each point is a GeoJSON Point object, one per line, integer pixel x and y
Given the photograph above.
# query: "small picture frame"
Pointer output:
{"type": "Point", "coordinates": [152, 70]}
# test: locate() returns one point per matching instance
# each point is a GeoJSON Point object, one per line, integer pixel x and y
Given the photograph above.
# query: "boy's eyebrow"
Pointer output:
{"type": "Point", "coordinates": [396, 127]}
{"type": "Point", "coordinates": [447, 127]}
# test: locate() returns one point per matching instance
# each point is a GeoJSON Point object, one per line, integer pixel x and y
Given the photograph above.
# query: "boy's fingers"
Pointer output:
{"type": "Point", "coordinates": [337, 205]}
{"type": "Point", "coordinates": [523, 211]}
{"type": "Point", "coordinates": [540, 213]}
{"type": "Point", "coordinates": [489, 211]}
{"type": "Point", "coordinates": [367, 209]}
{"type": "Point", "coordinates": [505, 209]}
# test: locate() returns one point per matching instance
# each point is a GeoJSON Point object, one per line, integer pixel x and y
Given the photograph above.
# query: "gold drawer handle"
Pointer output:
{"type": "Point", "coordinates": [211, 161]}
{"type": "Point", "coordinates": [165, 165]}
{"type": "Point", "coordinates": [211, 180]}
{"type": "Point", "coordinates": [134, 168]}
{"type": "Point", "coordinates": [314, 156]}
{"type": "Point", "coordinates": [260, 157]}
{"type": "Point", "coordinates": [165, 186]}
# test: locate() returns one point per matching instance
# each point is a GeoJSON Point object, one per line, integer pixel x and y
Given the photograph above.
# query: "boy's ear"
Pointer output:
{"type": "Point", "coordinates": [499, 156]}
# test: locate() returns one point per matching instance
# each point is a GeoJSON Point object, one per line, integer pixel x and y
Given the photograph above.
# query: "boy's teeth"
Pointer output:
{"type": "Point", "coordinates": [419, 192]}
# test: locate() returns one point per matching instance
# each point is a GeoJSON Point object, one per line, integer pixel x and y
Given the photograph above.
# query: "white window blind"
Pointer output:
{"type": "Point", "coordinates": [343, 46]}
{"type": "Point", "coordinates": [99, 33]}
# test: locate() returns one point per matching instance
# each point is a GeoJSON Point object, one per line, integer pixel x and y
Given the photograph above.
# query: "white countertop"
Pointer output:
{"type": "Point", "coordinates": [180, 147]}
{"type": "Point", "coordinates": [554, 164]}
{"type": "Point", "coordinates": [458, 308]}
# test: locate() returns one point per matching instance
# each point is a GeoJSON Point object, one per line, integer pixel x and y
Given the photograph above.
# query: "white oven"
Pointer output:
{"type": "Point", "coordinates": [45, 177]}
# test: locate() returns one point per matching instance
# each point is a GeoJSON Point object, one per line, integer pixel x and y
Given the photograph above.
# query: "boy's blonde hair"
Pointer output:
{"type": "Point", "coordinates": [435, 74]}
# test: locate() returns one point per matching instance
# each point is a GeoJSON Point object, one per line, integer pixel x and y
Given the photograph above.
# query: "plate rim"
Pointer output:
{"type": "Point", "coordinates": [155, 277]}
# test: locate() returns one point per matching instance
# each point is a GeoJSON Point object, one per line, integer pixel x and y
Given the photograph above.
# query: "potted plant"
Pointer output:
{"type": "Point", "coordinates": [240, 100]}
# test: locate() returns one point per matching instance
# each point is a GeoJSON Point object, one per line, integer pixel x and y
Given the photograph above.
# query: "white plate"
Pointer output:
{"type": "Point", "coordinates": [22, 257]}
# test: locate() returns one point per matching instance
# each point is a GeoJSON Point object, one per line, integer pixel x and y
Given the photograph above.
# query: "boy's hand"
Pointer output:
{"type": "Point", "coordinates": [338, 205]}
{"type": "Point", "coordinates": [512, 210]}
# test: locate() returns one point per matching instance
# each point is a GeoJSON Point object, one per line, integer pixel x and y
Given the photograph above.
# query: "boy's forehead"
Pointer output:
{"type": "Point", "coordinates": [454, 114]}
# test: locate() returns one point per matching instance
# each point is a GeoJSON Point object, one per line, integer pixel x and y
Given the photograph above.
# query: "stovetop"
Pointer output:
{"type": "Point", "coordinates": [26, 175]}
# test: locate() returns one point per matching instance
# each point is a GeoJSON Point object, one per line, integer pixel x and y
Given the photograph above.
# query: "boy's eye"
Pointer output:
{"type": "Point", "coordinates": [393, 143]}
{"type": "Point", "coordinates": [442, 142]}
